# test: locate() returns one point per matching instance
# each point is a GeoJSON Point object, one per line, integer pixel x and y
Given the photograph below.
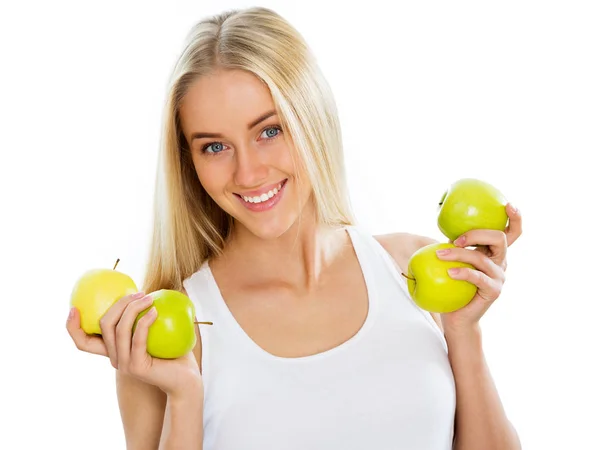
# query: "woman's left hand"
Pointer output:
{"type": "Point", "coordinates": [489, 261]}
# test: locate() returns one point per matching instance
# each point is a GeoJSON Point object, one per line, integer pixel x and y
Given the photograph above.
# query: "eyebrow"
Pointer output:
{"type": "Point", "coordinates": [200, 135]}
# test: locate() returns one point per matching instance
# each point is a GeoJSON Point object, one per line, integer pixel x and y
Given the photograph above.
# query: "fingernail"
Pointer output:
{"type": "Point", "coordinates": [514, 208]}
{"type": "Point", "coordinates": [138, 295]}
{"type": "Point", "coordinates": [454, 271]}
{"type": "Point", "coordinates": [460, 241]}
{"type": "Point", "coordinates": [71, 312]}
{"type": "Point", "coordinates": [443, 252]}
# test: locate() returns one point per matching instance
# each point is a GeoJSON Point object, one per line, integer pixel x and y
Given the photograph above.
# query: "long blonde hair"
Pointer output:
{"type": "Point", "coordinates": [189, 227]}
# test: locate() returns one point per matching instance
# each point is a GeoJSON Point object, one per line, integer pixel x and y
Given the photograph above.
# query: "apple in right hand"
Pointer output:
{"type": "Point", "coordinates": [96, 291]}
{"type": "Point", "coordinates": [173, 332]}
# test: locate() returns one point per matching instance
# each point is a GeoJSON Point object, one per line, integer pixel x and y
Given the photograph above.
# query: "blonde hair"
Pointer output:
{"type": "Point", "coordinates": [189, 227]}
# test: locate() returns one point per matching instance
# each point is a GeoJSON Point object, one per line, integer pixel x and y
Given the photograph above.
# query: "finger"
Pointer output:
{"type": "Point", "coordinates": [515, 224]}
{"type": "Point", "coordinates": [494, 240]}
{"type": "Point", "coordinates": [109, 321]}
{"type": "Point", "coordinates": [140, 358]}
{"type": "Point", "coordinates": [125, 326]}
{"type": "Point", "coordinates": [476, 259]}
{"type": "Point", "coordinates": [487, 288]}
{"type": "Point", "coordinates": [83, 341]}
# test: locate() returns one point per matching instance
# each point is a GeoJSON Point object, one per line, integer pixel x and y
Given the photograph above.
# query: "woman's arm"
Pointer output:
{"type": "Point", "coordinates": [480, 418]}
{"type": "Point", "coordinates": [142, 411]}
{"type": "Point", "coordinates": [147, 412]}
{"type": "Point", "coordinates": [183, 427]}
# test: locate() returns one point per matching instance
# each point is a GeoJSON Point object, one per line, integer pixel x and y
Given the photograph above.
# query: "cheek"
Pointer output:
{"type": "Point", "coordinates": [210, 178]}
{"type": "Point", "coordinates": [294, 167]}
{"type": "Point", "coordinates": [284, 161]}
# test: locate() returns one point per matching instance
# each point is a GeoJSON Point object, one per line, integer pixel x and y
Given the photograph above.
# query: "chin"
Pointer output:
{"type": "Point", "coordinates": [273, 224]}
{"type": "Point", "coordinates": [273, 228]}
{"type": "Point", "coordinates": [286, 221]}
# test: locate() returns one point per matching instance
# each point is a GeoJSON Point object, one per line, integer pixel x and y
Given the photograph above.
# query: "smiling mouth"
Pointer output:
{"type": "Point", "coordinates": [265, 196]}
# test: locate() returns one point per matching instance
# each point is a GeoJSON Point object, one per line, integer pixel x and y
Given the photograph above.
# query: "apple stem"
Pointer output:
{"type": "Point", "coordinates": [116, 263]}
{"type": "Point", "coordinates": [204, 323]}
{"type": "Point", "coordinates": [407, 277]}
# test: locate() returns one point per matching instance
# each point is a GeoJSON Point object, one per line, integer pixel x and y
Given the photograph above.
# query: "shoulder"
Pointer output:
{"type": "Point", "coordinates": [401, 246]}
{"type": "Point", "coordinates": [198, 348]}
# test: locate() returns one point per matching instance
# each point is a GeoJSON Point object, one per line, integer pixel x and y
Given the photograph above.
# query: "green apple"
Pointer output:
{"type": "Point", "coordinates": [96, 291]}
{"type": "Point", "coordinates": [173, 333]}
{"type": "Point", "coordinates": [471, 204]}
{"type": "Point", "coordinates": [429, 284]}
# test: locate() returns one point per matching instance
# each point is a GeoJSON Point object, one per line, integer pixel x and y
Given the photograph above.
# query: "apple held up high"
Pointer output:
{"type": "Point", "coordinates": [429, 284]}
{"type": "Point", "coordinates": [470, 204]}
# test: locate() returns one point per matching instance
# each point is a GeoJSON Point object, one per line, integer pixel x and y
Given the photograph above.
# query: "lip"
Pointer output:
{"type": "Point", "coordinates": [266, 205]}
{"type": "Point", "coordinates": [259, 192]}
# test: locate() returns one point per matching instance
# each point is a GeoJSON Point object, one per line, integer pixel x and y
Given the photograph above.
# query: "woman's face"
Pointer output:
{"type": "Point", "coordinates": [243, 160]}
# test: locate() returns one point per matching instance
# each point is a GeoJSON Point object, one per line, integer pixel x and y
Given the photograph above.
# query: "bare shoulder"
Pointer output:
{"type": "Point", "coordinates": [198, 347]}
{"type": "Point", "coordinates": [401, 246]}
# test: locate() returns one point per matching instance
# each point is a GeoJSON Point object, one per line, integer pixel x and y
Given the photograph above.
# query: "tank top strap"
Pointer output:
{"type": "Point", "coordinates": [385, 263]}
{"type": "Point", "coordinates": [382, 256]}
{"type": "Point", "coordinates": [210, 306]}
{"type": "Point", "coordinates": [204, 293]}
{"type": "Point", "coordinates": [198, 288]}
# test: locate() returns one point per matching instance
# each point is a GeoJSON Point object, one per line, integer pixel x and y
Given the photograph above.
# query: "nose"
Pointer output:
{"type": "Point", "coordinates": [250, 170]}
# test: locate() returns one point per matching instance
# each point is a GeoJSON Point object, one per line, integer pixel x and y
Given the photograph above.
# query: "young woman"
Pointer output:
{"type": "Point", "coordinates": [315, 342]}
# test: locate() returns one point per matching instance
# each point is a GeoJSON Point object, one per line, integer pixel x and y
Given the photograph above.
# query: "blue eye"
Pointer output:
{"type": "Point", "coordinates": [216, 147]}
{"type": "Point", "coordinates": [271, 132]}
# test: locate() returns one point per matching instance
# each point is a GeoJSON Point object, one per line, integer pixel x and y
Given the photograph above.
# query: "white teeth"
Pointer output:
{"type": "Point", "coordinates": [264, 197]}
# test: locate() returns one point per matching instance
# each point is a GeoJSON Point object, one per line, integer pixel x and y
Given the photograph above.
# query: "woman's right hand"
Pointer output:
{"type": "Point", "coordinates": [127, 349]}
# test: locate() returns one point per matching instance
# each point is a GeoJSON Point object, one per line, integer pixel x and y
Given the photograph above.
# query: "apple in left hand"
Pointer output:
{"type": "Point", "coordinates": [430, 285]}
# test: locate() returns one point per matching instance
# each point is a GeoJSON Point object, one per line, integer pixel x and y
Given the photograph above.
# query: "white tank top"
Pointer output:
{"type": "Point", "coordinates": [390, 386]}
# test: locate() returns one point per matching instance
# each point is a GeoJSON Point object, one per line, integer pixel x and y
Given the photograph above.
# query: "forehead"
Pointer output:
{"type": "Point", "coordinates": [225, 99]}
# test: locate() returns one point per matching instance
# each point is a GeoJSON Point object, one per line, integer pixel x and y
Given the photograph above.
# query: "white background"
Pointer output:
{"type": "Point", "coordinates": [428, 92]}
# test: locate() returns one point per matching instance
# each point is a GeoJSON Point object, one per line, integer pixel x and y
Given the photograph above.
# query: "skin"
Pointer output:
{"type": "Point", "coordinates": [316, 271]}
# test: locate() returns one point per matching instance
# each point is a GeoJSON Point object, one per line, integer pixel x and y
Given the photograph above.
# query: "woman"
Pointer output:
{"type": "Point", "coordinates": [315, 342]}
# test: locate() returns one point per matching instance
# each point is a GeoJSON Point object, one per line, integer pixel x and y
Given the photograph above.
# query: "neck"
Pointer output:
{"type": "Point", "coordinates": [296, 259]}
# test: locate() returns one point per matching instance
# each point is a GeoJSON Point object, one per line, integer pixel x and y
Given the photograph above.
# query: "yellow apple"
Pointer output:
{"type": "Point", "coordinates": [96, 291]}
